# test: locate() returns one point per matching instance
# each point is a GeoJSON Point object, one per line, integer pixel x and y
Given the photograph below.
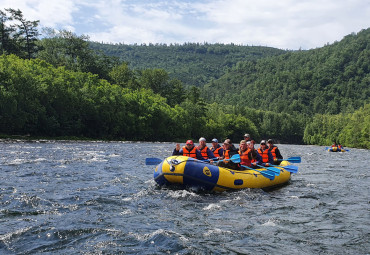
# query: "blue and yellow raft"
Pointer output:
{"type": "Point", "coordinates": [192, 173]}
{"type": "Point", "coordinates": [336, 149]}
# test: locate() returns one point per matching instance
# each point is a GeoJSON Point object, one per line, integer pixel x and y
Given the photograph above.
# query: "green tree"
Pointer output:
{"type": "Point", "coordinates": [7, 44]}
{"type": "Point", "coordinates": [27, 33]}
{"type": "Point", "coordinates": [64, 48]}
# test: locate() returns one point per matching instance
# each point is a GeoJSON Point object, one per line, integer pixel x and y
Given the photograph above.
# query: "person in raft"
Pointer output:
{"type": "Point", "coordinates": [245, 155]}
{"type": "Point", "coordinates": [188, 150]}
{"type": "Point", "coordinates": [204, 150]}
{"type": "Point", "coordinates": [334, 145]}
{"type": "Point", "coordinates": [229, 151]}
{"type": "Point", "coordinates": [264, 156]}
{"type": "Point", "coordinates": [217, 150]}
{"type": "Point", "coordinates": [275, 152]}
{"type": "Point", "coordinates": [247, 137]}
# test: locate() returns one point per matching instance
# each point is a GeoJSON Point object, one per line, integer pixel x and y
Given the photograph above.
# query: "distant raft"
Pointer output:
{"type": "Point", "coordinates": [336, 149]}
{"type": "Point", "coordinates": [192, 173]}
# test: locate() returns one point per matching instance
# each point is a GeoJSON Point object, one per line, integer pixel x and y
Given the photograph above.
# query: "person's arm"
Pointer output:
{"type": "Point", "coordinates": [210, 154]}
{"type": "Point", "coordinates": [221, 152]}
{"type": "Point", "coordinates": [199, 155]}
{"type": "Point", "coordinates": [278, 155]}
{"type": "Point", "coordinates": [177, 150]}
{"type": "Point", "coordinates": [271, 159]}
{"type": "Point", "coordinates": [258, 158]}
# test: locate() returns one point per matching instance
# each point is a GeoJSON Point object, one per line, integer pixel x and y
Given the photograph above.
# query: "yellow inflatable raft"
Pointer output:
{"type": "Point", "coordinates": [192, 173]}
{"type": "Point", "coordinates": [336, 149]}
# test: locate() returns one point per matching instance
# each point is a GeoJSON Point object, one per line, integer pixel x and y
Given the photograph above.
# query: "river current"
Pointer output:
{"type": "Point", "coordinates": [64, 197]}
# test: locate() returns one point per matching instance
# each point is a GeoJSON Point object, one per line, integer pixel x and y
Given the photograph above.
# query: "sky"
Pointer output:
{"type": "Point", "coordinates": [283, 24]}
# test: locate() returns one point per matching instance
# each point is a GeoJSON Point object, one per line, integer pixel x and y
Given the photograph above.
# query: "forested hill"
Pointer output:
{"type": "Point", "coordinates": [192, 63]}
{"type": "Point", "coordinates": [328, 80]}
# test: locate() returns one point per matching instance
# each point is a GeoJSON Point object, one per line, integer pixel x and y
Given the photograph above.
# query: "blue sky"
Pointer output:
{"type": "Point", "coordinates": [284, 24]}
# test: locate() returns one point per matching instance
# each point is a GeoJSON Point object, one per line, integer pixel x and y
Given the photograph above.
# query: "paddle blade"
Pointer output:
{"type": "Point", "coordinates": [275, 170]}
{"type": "Point", "coordinates": [235, 158]}
{"type": "Point", "coordinates": [272, 169]}
{"type": "Point", "coordinates": [153, 161]}
{"type": "Point", "coordinates": [268, 174]}
{"type": "Point", "coordinates": [294, 159]}
{"type": "Point", "coordinates": [292, 169]}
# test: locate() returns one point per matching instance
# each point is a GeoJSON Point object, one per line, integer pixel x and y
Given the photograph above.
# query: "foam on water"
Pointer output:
{"type": "Point", "coordinates": [100, 198]}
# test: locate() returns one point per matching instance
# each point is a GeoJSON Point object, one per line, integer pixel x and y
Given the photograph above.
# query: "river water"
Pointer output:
{"type": "Point", "coordinates": [100, 198]}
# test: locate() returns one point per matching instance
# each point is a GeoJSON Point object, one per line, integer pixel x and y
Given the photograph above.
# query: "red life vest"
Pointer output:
{"type": "Point", "coordinates": [191, 154]}
{"type": "Point", "coordinates": [264, 154]}
{"type": "Point", "coordinates": [204, 152]}
{"type": "Point", "coordinates": [216, 152]}
{"type": "Point", "coordinates": [273, 151]}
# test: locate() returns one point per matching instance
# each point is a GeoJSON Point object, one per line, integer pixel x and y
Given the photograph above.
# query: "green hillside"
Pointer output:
{"type": "Point", "coordinates": [59, 86]}
{"type": "Point", "coordinates": [192, 63]}
{"type": "Point", "coordinates": [327, 80]}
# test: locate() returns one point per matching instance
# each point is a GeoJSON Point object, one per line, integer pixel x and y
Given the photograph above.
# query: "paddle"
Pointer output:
{"type": "Point", "coordinates": [234, 158]}
{"type": "Point", "coordinates": [292, 169]}
{"type": "Point", "coordinates": [266, 174]}
{"type": "Point", "coordinates": [292, 159]}
{"type": "Point", "coordinates": [153, 161]}
{"type": "Point", "coordinates": [273, 169]}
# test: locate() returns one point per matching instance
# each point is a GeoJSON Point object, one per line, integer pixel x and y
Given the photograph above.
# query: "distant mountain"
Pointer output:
{"type": "Point", "coordinates": [192, 63]}
{"type": "Point", "coordinates": [327, 80]}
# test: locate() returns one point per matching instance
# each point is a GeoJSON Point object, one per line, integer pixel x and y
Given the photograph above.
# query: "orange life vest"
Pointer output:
{"type": "Point", "coordinates": [216, 152]}
{"type": "Point", "coordinates": [226, 154]}
{"type": "Point", "coordinates": [204, 152]}
{"type": "Point", "coordinates": [273, 151]}
{"type": "Point", "coordinates": [244, 158]}
{"type": "Point", "coordinates": [264, 154]}
{"type": "Point", "coordinates": [191, 154]}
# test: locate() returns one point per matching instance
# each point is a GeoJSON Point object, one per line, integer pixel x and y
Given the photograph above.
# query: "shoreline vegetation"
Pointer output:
{"type": "Point", "coordinates": [63, 85]}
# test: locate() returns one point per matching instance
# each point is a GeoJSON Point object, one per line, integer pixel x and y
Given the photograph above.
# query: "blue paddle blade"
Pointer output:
{"type": "Point", "coordinates": [266, 174]}
{"type": "Point", "coordinates": [292, 159]}
{"type": "Point", "coordinates": [153, 161]}
{"type": "Point", "coordinates": [273, 169]}
{"type": "Point", "coordinates": [235, 158]}
{"type": "Point", "coordinates": [292, 169]}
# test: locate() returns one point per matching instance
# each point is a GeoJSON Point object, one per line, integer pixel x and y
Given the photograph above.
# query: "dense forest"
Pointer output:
{"type": "Point", "coordinates": [327, 80]}
{"type": "Point", "coordinates": [194, 64]}
{"type": "Point", "coordinates": [63, 85]}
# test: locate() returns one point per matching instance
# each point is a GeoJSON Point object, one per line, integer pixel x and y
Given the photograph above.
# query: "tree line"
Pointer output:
{"type": "Point", "coordinates": [62, 86]}
{"type": "Point", "coordinates": [194, 64]}
{"type": "Point", "coordinates": [39, 99]}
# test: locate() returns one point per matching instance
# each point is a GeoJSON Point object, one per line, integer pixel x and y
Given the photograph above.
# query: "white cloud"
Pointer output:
{"type": "Point", "coordinates": [50, 13]}
{"type": "Point", "coordinates": [287, 24]}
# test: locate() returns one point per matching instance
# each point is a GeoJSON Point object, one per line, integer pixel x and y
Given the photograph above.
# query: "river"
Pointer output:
{"type": "Point", "coordinates": [68, 197]}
